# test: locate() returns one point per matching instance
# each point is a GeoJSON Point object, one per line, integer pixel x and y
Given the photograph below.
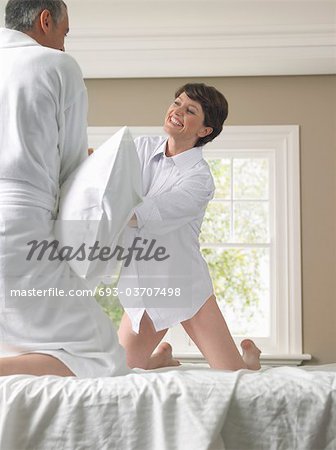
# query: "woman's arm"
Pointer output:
{"type": "Point", "coordinates": [171, 210]}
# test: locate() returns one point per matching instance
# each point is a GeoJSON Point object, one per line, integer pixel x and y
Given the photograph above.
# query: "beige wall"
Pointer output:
{"type": "Point", "coordinates": [309, 101]}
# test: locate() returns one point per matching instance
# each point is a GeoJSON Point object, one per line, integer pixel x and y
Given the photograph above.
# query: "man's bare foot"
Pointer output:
{"type": "Point", "coordinates": [251, 354]}
{"type": "Point", "coordinates": [163, 357]}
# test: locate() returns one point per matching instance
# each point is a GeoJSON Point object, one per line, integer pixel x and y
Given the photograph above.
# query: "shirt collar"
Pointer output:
{"type": "Point", "coordinates": [183, 161]}
{"type": "Point", "coordinates": [188, 159]}
{"type": "Point", "coordinates": [160, 150]}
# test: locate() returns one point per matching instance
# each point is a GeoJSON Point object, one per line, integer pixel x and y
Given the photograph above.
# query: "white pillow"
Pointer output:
{"type": "Point", "coordinates": [96, 203]}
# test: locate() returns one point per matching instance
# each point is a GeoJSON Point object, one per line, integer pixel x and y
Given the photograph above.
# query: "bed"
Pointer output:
{"type": "Point", "coordinates": [189, 407]}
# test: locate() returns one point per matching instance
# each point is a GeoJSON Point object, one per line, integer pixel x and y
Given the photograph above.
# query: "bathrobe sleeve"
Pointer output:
{"type": "Point", "coordinates": [72, 119]}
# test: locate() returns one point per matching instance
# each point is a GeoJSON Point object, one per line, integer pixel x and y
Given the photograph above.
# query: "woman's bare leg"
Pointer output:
{"type": "Point", "coordinates": [33, 364]}
{"type": "Point", "coordinates": [139, 347]}
{"type": "Point", "coordinates": [210, 333]}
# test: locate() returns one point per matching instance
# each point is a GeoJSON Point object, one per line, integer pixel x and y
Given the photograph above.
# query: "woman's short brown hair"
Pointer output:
{"type": "Point", "coordinates": [214, 105]}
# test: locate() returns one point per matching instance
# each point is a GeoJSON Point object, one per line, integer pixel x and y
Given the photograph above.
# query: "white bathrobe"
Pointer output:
{"type": "Point", "coordinates": [43, 108]}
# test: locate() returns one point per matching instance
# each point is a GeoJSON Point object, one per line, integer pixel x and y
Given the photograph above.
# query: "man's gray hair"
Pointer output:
{"type": "Point", "coordinates": [20, 15]}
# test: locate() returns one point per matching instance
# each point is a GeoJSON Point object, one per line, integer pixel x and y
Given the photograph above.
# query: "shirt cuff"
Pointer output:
{"type": "Point", "coordinates": [146, 212]}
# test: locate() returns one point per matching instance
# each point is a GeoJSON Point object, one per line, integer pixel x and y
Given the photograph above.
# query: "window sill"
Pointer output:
{"type": "Point", "coordinates": [266, 359]}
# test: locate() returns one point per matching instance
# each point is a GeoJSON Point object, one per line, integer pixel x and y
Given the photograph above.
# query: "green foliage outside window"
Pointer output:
{"type": "Point", "coordinates": [111, 306]}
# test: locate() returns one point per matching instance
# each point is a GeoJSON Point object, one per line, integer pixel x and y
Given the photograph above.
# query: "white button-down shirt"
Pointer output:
{"type": "Point", "coordinates": [176, 192]}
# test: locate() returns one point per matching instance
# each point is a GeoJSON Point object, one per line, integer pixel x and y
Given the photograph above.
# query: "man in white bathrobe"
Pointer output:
{"type": "Point", "coordinates": [43, 138]}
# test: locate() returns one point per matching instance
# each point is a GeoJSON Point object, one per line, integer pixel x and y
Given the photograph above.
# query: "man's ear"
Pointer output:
{"type": "Point", "coordinates": [45, 20]}
{"type": "Point", "coordinates": [205, 132]}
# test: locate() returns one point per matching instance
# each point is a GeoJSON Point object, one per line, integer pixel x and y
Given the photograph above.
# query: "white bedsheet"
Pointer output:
{"type": "Point", "coordinates": [285, 409]}
{"type": "Point", "coordinates": [184, 408]}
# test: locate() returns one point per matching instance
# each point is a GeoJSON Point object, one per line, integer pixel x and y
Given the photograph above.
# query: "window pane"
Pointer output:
{"type": "Point", "coordinates": [216, 223]}
{"type": "Point", "coordinates": [241, 285]}
{"type": "Point", "coordinates": [251, 222]}
{"type": "Point", "coordinates": [250, 178]}
{"type": "Point", "coordinates": [221, 171]}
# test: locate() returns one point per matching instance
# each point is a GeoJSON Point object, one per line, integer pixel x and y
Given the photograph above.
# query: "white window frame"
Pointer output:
{"type": "Point", "coordinates": [282, 143]}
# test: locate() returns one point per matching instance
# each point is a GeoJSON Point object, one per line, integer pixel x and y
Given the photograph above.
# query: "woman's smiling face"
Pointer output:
{"type": "Point", "coordinates": [185, 120]}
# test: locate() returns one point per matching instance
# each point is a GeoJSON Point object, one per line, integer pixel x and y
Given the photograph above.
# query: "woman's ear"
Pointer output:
{"type": "Point", "coordinates": [205, 132]}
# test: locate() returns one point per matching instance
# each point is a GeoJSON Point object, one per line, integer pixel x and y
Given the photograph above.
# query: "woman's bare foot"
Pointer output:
{"type": "Point", "coordinates": [251, 354]}
{"type": "Point", "coordinates": [163, 357]}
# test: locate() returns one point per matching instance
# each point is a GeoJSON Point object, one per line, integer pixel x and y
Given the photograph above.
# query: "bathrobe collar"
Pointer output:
{"type": "Point", "coordinates": [12, 38]}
